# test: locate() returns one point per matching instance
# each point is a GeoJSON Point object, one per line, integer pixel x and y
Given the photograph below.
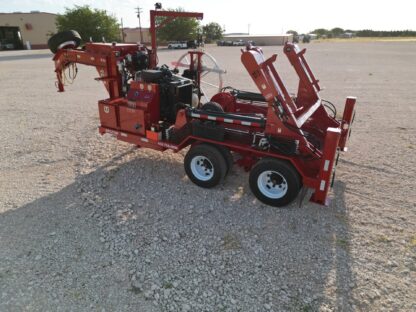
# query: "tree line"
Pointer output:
{"type": "Point", "coordinates": [338, 32]}
{"type": "Point", "coordinates": [187, 29]}
{"type": "Point", "coordinates": [383, 33]}
{"type": "Point", "coordinates": [97, 24]}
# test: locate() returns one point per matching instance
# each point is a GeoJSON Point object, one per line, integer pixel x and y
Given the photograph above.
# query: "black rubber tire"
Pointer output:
{"type": "Point", "coordinates": [212, 107]}
{"type": "Point", "coordinates": [286, 170]}
{"type": "Point", "coordinates": [225, 151]}
{"type": "Point", "coordinates": [68, 35]}
{"type": "Point", "coordinates": [213, 154]}
{"type": "Point", "coordinates": [215, 107]}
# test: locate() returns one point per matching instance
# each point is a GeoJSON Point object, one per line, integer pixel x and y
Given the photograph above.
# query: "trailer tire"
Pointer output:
{"type": "Point", "coordinates": [58, 39]}
{"type": "Point", "coordinates": [275, 182]}
{"type": "Point", "coordinates": [217, 108]}
{"type": "Point", "coordinates": [229, 159]}
{"type": "Point", "coordinates": [205, 165]}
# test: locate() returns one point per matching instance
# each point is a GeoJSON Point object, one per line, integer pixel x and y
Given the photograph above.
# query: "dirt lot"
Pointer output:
{"type": "Point", "coordinates": [89, 223]}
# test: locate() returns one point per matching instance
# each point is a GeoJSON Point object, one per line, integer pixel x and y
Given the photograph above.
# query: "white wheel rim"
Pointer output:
{"type": "Point", "coordinates": [202, 168]}
{"type": "Point", "coordinates": [272, 184]}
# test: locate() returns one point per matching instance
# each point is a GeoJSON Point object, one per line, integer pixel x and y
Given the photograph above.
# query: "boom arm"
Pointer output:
{"type": "Point", "coordinates": [105, 57]}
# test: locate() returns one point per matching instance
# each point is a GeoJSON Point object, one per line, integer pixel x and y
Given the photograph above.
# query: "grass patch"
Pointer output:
{"type": "Point", "coordinates": [135, 290]}
{"type": "Point", "coordinates": [111, 173]}
{"type": "Point", "coordinates": [168, 285]}
{"type": "Point", "coordinates": [367, 39]}
{"type": "Point", "coordinates": [306, 308]}
{"type": "Point", "coordinates": [412, 242]}
{"type": "Point", "coordinates": [299, 306]}
{"type": "Point", "coordinates": [342, 242]}
{"type": "Point", "coordinates": [77, 295]}
{"type": "Point", "coordinates": [383, 239]}
{"type": "Point", "coordinates": [231, 242]}
{"type": "Point", "coordinates": [341, 217]}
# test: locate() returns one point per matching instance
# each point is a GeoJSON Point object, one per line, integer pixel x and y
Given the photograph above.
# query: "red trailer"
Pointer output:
{"type": "Point", "coordinates": [286, 142]}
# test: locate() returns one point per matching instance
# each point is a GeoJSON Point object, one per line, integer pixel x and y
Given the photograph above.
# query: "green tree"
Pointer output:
{"type": "Point", "coordinates": [292, 32]}
{"type": "Point", "coordinates": [337, 31]}
{"type": "Point", "coordinates": [178, 29]}
{"type": "Point", "coordinates": [212, 31]}
{"type": "Point", "coordinates": [295, 35]}
{"type": "Point", "coordinates": [320, 32]}
{"type": "Point", "coordinates": [90, 23]}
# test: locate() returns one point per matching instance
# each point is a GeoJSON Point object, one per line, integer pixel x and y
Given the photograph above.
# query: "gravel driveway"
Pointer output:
{"type": "Point", "coordinates": [88, 223]}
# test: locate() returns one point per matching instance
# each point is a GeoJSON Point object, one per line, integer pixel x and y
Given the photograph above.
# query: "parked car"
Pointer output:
{"type": "Point", "coordinates": [239, 43]}
{"type": "Point", "coordinates": [178, 45]}
{"type": "Point", "coordinates": [225, 43]}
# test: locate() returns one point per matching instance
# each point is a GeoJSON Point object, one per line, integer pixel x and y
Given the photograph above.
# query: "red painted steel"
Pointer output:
{"type": "Point", "coordinates": [326, 166]}
{"type": "Point", "coordinates": [108, 114]}
{"type": "Point", "coordinates": [347, 120]}
{"type": "Point", "coordinates": [169, 15]}
{"type": "Point", "coordinates": [133, 115]}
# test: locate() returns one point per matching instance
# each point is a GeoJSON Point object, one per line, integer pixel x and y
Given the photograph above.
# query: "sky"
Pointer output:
{"type": "Point", "coordinates": [259, 16]}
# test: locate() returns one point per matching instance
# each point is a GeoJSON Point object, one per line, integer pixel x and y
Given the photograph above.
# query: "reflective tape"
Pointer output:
{"type": "Point", "coordinates": [322, 186]}
{"type": "Point", "coordinates": [326, 165]}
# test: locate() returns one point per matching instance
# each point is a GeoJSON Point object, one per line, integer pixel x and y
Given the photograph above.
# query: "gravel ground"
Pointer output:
{"type": "Point", "coordinates": [89, 223]}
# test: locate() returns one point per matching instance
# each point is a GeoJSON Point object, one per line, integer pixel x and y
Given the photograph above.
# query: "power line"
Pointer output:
{"type": "Point", "coordinates": [139, 10]}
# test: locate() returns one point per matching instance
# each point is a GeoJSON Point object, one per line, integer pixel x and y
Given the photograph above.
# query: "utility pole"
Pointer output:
{"type": "Point", "coordinates": [139, 10]}
{"type": "Point", "coordinates": [122, 31]}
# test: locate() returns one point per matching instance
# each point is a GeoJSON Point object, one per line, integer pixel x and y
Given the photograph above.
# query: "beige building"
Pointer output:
{"type": "Point", "coordinates": [18, 28]}
{"type": "Point", "coordinates": [132, 35]}
{"type": "Point", "coordinates": [36, 27]}
{"type": "Point", "coordinates": [261, 40]}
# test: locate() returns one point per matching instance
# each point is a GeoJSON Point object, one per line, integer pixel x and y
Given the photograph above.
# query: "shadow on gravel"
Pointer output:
{"type": "Point", "coordinates": [293, 259]}
{"type": "Point", "coordinates": [372, 168]}
{"type": "Point", "coordinates": [5, 58]}
{"type": "Point", "coordinates": [345, 281]}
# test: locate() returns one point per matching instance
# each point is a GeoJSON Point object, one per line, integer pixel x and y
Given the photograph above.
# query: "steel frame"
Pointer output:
{"type": "Point", "coordinates": [169, 15]}
{"type": "Point", "coordinates": [284, 116]}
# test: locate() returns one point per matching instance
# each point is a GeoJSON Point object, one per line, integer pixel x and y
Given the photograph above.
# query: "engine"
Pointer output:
{"type": "Point", "coordinates": [137, 61]}
{"type": "Point", "coordinates": [175, 92]}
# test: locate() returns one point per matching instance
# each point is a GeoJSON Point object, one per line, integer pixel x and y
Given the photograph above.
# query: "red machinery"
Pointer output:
{"type": "Point", "coordinates": [285, 141]}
